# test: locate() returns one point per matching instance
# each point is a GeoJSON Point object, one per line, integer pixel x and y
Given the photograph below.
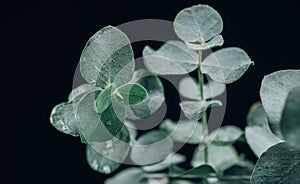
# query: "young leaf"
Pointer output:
{"type": "Point", "coordinates": [217, 157]}
{"type": "Point", "coordinates": [102, 127]}
{"type": "Point", "coordinates": [79, 91]}
{"type": "Point", "coordinates": [172, 58]}
{"type": "Point", "coordinates": [226, 135]}
{"type": "Point", "coordinates": [188, 88]}
{"type": "Point", "coordinates": [215, 42]}
{"type": "Point", "coordinates": [106, 157]}
{"type": "Point", "coordinates": [198, 23]}
{"type": "Point", "coordinates": [258, 134]}
{"type": "Point", "coordinates": [103, 100]}
{"type": "Point", "coordinates": [274, 91]}
{"type": "Point", "coordinates": [107, 58]}
{"type": "Point", "coordinates": [194, 110]}
{"type": "Point", "coordinates": [173, 158]}
{"type": "Point", "coordinates": [279, 164]}
{"type": "Point", "coordinates": [154, 99]}
{"type": "Point", "coordinates": [63, 118]}
{"type": "Point", "coordinates": [226, 65]}
{"type": "Point", "coordinates": [131, 94]}
{"type": "Point", "coordinates": [290, 121]}
{"type": "Point", "coordinates": [151, 147]}
{"type": "Point", "coordinates": [185, 131]}
{"type": "Point", "coordinates": [131, 175]}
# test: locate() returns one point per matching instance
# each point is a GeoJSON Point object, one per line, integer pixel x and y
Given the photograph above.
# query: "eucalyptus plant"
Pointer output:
{"type": "Point", "coordinates": [99, 112]}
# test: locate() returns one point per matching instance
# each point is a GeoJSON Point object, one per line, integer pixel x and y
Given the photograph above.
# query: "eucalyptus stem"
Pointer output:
{"type": "Point", "coordinates": [204, 118]}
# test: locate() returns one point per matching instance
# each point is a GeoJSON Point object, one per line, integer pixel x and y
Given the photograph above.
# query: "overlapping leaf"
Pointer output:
{"type": "Point", "coordinates": [171, 58]}
{"type": "Point", "coordinates": [226, 65]}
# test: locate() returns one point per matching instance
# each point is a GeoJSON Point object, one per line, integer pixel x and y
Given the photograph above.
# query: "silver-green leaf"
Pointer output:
{"type": "Point", "coordinates": [171, 58]}
{"type": "Point", "coordinates": [79, 91]}
{"type": "Point", "coordinates": [217, 159]}
{"type": "Point", "coordinates": [279, 164]}
{"type": "Point", "coordinates": [189, 88]}
{"type": "Point", "coordinates": [290, 121]}
{"type": "Point", "coordinates": [274, 91]}
{"type": "Point", "coordinates": [198, 23]}
{"type": "Point", "coordinates": [63, 118]}
{"type": "Point", "coordinates": [226, 65]}
{"type": "Point", "coordinates": [226, 135]}
{"type": "Point", "coordinates": [185, 131]}
{"type": "Point", "coordinates": [107, 58]}
{"type": "Point", "coordinates": [194, 110]}
{"type": "Point", "coordinates": [154, 99]}
{"type": "Point", "coordinates": [151, 147]}
{"type": "Point", "coordinates": [95, 127]}
{"type": "Point", "coordinates": [173, 158]}
{"type": "Point", "coordinates": [258, 134]}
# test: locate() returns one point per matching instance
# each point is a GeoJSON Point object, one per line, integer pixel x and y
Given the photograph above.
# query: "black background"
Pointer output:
{"type": "Point", "coordinates": [41, 46]}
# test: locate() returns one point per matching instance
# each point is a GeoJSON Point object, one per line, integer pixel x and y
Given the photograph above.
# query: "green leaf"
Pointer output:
{"type": "Point", "coordinates": [226, 65]}
{"type": "Point", "coordinates": [173, 158]}
{"type": "Point", "coordinates": [188, 88]}
{"type": "Point", "coordinates": [102, 127]}
{"type": "Point", "coordinates": [151, 147]}
{"type": "Point", "coordinates": [63, 118]}
{"type": "Point", "coordinates": [194, 110]}
{"type": "Point", "coordinates": [290, 121]}
{"type": "Point", "coordinates": [107, 58]}
{"type": "Point", "coordinates": [79, 91]}
{"type": "Point", "coordinates": [131, 94]}
{"type": "Point", "coordinates": [103, 100]}
{"type": "Point", "coordinates": [198, 23]}
{"type": "Point", "coordinates": [175, 171]}
{"type": "Point", "coordinates": [242, 168]}
{"type": "Point", "coordinates": [154, 99]}
{"type": "Point", "coordinates": [279, 164]}
{"type": "Point", "coordinates": [185, 131]}
{"type": "Point", "coordinates": [215, 42]}
{"type": "Point", "coordinates": [131, 175]}
{"type": "Point", "coordinates": [226, 135]}
{"type": "Point", "coordinates": [274, 91]}
{"type": "Point", "coordinates": [106, 157]}
{"type": "Point", "coordinates": [171, 58]}
{"type": "Point", "coordinates": [258, 134]}
{"type": "Point", "coordinates": [181, 182]}
{"type": "Point", "coordinates": [217, 157]}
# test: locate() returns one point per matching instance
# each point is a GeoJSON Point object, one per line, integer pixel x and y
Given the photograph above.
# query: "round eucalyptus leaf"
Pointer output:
{"type": "Point", "coordinates": [79, 91]}
{"type": "Point", "coordinates": [194, 110]}
{"type": "Point", "coordinates": [131, 94]}
{"type": "Point", "coordinates": [131, 175]}
{"type": "Point", "coordinates": [95, 127]}
{"type": "Point", "coordinates": [258, 134]}
{"type": "Point", "coordinates": [154, 99]}
{"type": "Point", "coordinates": [171, 58]}
{"type": "Point", "coordinates": [185, 131]}
{"type": "Point", "coordinates": [114, 150]}
{"type": "Point", "coordinates": [290, 121]}
{"type": "Point", "coordinates": [63, 118]}
{"type": "Point", "coordinates": [226, 135]}
{"type": "Point", "coordinates": [151, 147]}
{"type": "Point", "coordinates": [107, 58]}
{"type": "Point", "coordinates": [189, 88]}
{"type": "Point", "coordinates": [198, 23]}
{"type": "Point", "coordinates": [274, 91]}
{"type": "Point", "coordinates": [279, 164]}
{"type": "Point", "coordinates": [226, 65]}
{"type": "Point", "coordinates": [173, 158]}
{"type": "Point", "coordinates": [219, 157]}
{"type": "Point", "coordinates": [215, 42]}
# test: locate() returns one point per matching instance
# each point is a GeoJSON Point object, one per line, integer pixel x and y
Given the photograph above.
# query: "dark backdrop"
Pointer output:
{"type": "Point", "coordinates": [41, 46]}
